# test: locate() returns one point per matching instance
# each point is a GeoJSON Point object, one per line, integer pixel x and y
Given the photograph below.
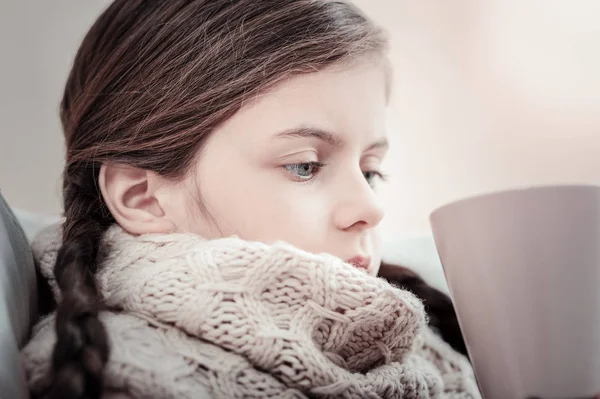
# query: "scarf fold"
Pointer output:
{"type": "Point", "coordinates": [228, 318]}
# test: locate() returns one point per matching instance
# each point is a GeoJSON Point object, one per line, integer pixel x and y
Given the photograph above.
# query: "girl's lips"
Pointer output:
{"type": "Point", "coordinates": [359, 262]}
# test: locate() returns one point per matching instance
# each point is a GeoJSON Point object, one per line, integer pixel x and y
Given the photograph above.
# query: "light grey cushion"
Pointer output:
{"type": "Point", "coordinates": [18, 300]}
{"type": "Point", "coordinates": [32, 223]}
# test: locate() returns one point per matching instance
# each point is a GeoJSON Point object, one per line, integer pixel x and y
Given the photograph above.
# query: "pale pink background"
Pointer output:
{"type": "Point", "coordinates": [488, 95]}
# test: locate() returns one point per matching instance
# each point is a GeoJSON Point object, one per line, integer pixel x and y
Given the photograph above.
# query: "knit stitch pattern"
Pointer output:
{"type": "Point", "coordinates": [228, 318]}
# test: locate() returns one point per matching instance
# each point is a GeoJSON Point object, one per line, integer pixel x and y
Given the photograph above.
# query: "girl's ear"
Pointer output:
{"type": "Point", "coordinates": [130, 195]}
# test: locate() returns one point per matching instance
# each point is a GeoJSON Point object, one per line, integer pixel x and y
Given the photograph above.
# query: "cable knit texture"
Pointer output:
{"type": "Point", "coordinates": [228, 318]}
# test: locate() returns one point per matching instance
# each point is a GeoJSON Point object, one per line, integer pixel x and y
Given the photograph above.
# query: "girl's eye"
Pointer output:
{"type": "Point", "coordinates": [304, 170]}
{"type": "Point", "coordinates": [372, 175]}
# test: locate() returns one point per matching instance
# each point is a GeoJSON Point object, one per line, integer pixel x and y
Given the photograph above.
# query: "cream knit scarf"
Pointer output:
{"type": "Point", "coordinates": [227, 318]}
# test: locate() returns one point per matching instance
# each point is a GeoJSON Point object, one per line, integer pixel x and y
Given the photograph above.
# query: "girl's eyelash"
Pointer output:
{"type": "Point", "coordinates": [307, 171]}
{"type": "Point", "coordinates": [372, 175]}
{"type": "Point", "coordinates": [298, 169]}
{"type": "Point", "coordinates": [380, 175]}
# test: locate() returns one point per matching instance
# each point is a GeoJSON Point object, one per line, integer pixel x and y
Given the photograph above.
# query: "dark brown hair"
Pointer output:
{"type": "Point", "coordinates": [441, 315]}
{"type": "Point", "coordinates": [150, 82]}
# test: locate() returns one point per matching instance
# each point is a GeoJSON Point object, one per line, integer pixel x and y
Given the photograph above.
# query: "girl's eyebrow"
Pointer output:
{"type": "Point", "coordinates": [330, 138]}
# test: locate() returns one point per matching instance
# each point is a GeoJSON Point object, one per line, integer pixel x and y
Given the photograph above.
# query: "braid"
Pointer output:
{"type": "Point", "coordinates": [82, 346]}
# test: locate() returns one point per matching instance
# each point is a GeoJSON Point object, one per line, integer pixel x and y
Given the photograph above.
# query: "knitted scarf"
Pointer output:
{"type": "Point", "coordinates": [228, 318]}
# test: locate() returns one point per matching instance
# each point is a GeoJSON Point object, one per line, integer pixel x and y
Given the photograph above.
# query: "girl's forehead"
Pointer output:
{"type": "Point", "coordinates": [345, 101]}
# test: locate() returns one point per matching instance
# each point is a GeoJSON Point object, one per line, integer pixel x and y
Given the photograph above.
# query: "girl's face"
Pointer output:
{"type": "Point", "coordinates": [299, 164]}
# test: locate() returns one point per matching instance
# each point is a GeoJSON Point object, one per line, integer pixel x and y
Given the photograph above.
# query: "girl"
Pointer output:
{"type": "Point", "coordinates": [220, 233]}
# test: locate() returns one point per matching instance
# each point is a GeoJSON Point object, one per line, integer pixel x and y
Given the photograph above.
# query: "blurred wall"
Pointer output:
{"type": "Point", "coordinates": [38, 41]}
{"type": "Point", "coordinates": [488, 95]}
